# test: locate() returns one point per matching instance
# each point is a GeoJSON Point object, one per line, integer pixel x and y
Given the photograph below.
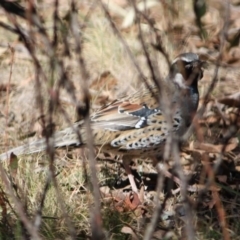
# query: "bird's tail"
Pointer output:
{"type": "Point", "coordinates": [68, 137]}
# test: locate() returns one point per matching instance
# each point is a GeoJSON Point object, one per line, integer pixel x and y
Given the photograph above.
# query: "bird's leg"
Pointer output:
{"type": "Point", "coordinates": [127, 168]}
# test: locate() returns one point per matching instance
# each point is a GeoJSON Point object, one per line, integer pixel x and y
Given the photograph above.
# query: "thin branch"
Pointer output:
{"type": "Point", "coordinates": [18, 205]}
{"type": "Point", "coordinates": [96, 219]}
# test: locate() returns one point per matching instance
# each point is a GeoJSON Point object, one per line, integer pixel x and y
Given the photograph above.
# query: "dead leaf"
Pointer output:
{"type": "Point", "coordinates": [222, 178]}
{"type": "Point", "coordinates": [232, 100]}
{"type": "Point", "coordinates": [122, 201]}
{"type": "Point", "coordinates": [128, 230]}
{"type": "Point", "coordinates": [233, 37]}
{"type": "Point", "coordinates": [116, 7]}
{"type": "Point", "coordinates": [132, 201]}
{"type": "Point", "coordinates": [141, 6]}
{"type": "Point", "coordinates": [211, 148]}
{"type": "Point", "coordinates": [105, 79]}
{"type": "Point", "coordinates": [103, 88]}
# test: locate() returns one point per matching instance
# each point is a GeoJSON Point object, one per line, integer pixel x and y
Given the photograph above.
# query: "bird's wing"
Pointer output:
{"type": "Point", "coordinates": [139, 111]}
{"type": "Point", "coordinates": [122, 115]}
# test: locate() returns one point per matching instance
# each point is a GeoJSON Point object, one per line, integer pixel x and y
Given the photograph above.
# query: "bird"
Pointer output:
{"type": "Point", "coordinates": [136, 125]}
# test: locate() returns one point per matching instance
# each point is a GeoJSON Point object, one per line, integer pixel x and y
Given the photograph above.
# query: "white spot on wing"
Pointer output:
{"type": "Point", "coordinates": [140, 122]}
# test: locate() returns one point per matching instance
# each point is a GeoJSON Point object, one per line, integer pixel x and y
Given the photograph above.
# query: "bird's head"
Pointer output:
{"type": "Point", "coordinates": [186, 70]}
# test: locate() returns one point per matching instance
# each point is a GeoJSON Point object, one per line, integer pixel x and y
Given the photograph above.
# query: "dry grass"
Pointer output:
{"type": "Point", "coordinates": [103, 51]}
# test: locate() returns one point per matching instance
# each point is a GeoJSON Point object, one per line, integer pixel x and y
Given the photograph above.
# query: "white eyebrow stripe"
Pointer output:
{"type": "Point", "coordinates": [186, 59]}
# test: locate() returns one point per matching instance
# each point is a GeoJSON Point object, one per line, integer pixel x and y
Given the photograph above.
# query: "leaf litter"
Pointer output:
{"type": "Point", "coordinates": [219, 124]}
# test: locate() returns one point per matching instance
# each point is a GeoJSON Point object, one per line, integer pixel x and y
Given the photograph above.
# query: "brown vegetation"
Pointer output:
{"type": "Point", "coordinates": [56, 57]}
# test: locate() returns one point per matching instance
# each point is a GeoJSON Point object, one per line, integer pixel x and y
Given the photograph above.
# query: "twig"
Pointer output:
{"type": "Point", "coordinates": [34, 21]}
{"type": "Point", "coordinates": [210, 171]}
{"type": "Point", "coordinates": [19, 207]}
{"type": "Point", "coordinates": [96, 219]}
{"type": "Point", "coordinates": [129, 52]}
{"type": "Point", "coordinates": [8, 88]}
{"type": "Point", "coordinates": [159, 206]}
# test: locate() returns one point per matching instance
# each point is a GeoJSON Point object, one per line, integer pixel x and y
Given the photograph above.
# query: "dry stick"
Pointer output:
{"type": "Point", "coordinates": [155, 73]}
{"type": "Point", "coordinates": [158, 206]}
{"type": "Point", "coordinates": [151, 227]}
{"type": "Point", "coordinates": [159, 45]}
{"type": "Point", "coordinates": [51, 152]}
{"type": "Point", "coordinates": [55, 22]}
{"type": "Point", "coordinates": [28, 40]}
{"type": "Point", "coordinates": [49, 52]}
{"type": "Point", "coordinates": [4, 218]}
{"type": "Point", "coordinates": [125, 45]}
{"type": "Point", "coordinates": [150, 230]}
{"type": "Point", "coordinates": [38, 215]}
{"type": "Point", "coordinates": [216, 197]}
{"type": "Point", "coordinates": [222, 43]}
{"type": "Point", "coordinates": [20, 210]}
{"type": "Point", "coordinates": [13, 7]}
{"type": "Point", "coordinates": [36, 22]}
{"type": "Point", "coordinates": [8, 27]}
{"type": "Point", "coordinates": [162, 98]}
{"type": "Point", "coordinates": [158, 80]}
{"type": "Point", "coordinates": [6, 200]}
{"type": "Point", "coordinates": [118, 34]}
{"type": "Point", "coordinates": [38, 68]}
{"type": "Point", "coordinates": [189, 224]}
{"type": "Point", "coordinates": [19, 207]}
{"type": "Point", "coordinates": [49, 141]}
{"type": "Point", "coordinates": [170, 143]}
{"type": "Point", "coordinates": [8, 90]}
{"type": "Point", "coordinates": [209, 170]}
{"type": "Point", "coordinates": [96, 219]}
{"type": "Point", "coordinates": [156, 76]}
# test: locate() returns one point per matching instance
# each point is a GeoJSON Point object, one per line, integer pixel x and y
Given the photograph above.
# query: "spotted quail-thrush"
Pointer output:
{"type": "Point", "coordinates": [137, 126]}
